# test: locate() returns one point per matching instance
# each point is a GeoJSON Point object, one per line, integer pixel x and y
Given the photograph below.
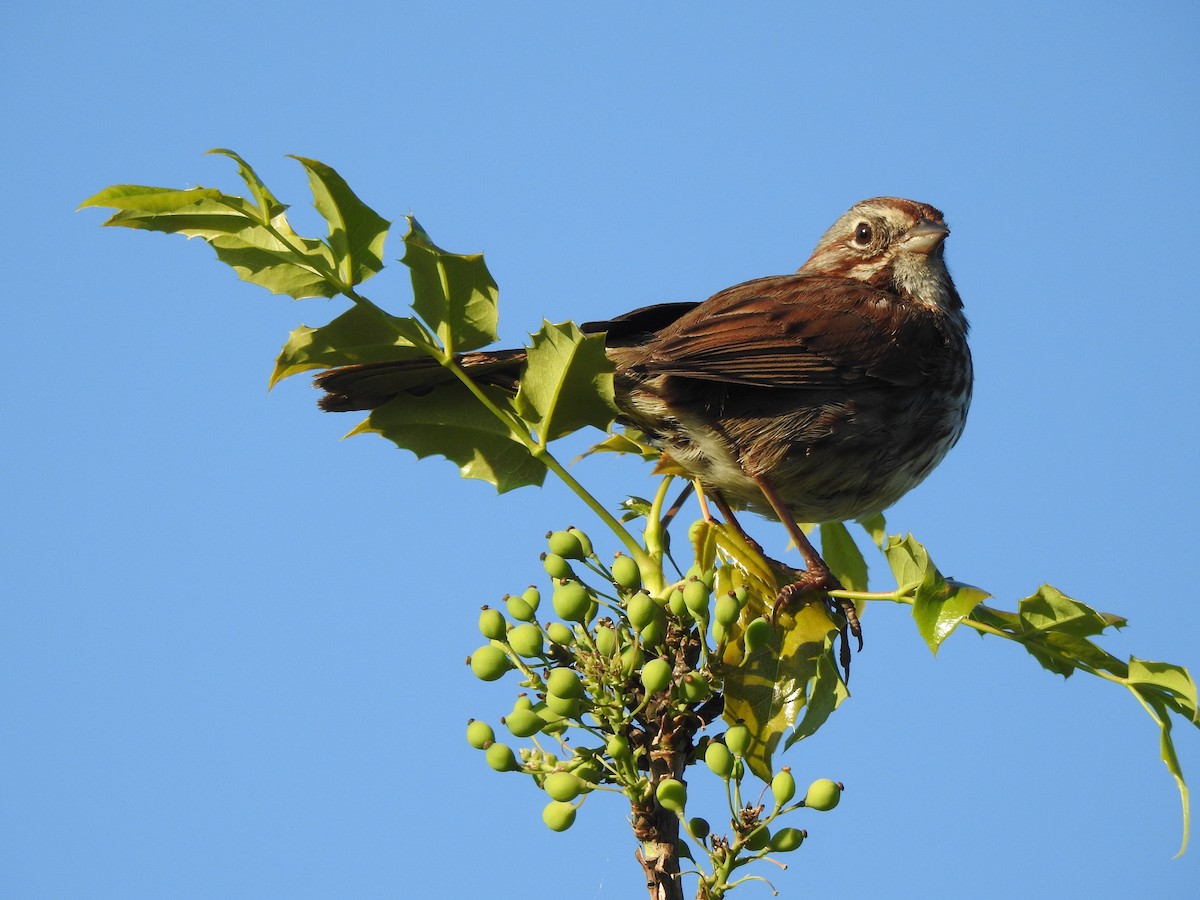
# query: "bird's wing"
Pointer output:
{"type": "Point", "coordinates": [797, 331]}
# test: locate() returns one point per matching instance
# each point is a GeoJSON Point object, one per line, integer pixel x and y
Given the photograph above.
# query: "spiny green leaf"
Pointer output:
{"type": "Point", "coordinates": [567, 384]}
{"type": "Point", "coordinates": [356, 336]}
{"type": "Point", "coordinates": [356, 232]}
{"type": "Point", "coordinates": [268, 254]}
{"type": "Point", "coordinates": [843, 557]}
{"type": "Point", "coordinates": [772, 689]}
{"type": "Point", "coordinates": [1049, 609]}
{"type": "Point", "coordinates": [450, 421]}
{"type": "Point", "coordinates": [454, 294]}
{"type": "Point", "coordinates": [1173, 682]}
{"type": "Point", "coordinates": [268, 205]}
{"type": "Point", "coordinates": [1157, 709]}
{"type": "Point", "coordinates": [939, 605]}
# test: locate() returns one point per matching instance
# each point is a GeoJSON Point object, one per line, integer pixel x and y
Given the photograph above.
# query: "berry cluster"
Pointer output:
{"type": "Point", "coordinates": [635, 677]}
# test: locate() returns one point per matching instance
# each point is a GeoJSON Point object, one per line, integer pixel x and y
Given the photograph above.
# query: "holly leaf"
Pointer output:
{"type": "Point", "coordinates": [454, 294]}
{"type": "Point", "coordinates": [567, 383]}
{"type": "Point", "coordinates": [939, 604]}
{"type": "Point", "coordinates": [791, 683]}
{"type": "Point", "coordinates": [843, 557]}
{"type": "Point", "coordinates": [356, 232]}
{"type": "Point", "coordinates": [450, 421]}
{"type": "Point", "coordinates": [356, 336]}
{"type": "Point", "coordinates": [254, 238]}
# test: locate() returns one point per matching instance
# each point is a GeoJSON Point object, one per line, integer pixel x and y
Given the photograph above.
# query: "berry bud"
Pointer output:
{"type": "Point", "coordinates": [560, 634]}
{"type": "Point", "coordinates": [491, 624]}
{"type": "Point", "coordinates": [523, 723]}
{"type": "Point", "coordinates": [783, 787]}
{"type": "Point", "coordinates": [823, 795]}
{"type": "Point", "coordinates": [695, 597]}
{"type": "Point", "coordinates": [607, 641]}
{"type": "Point", "coordinates": [585, 542]}
{"type": "Point", "coordinates": [758, 838]}
{"type": "Point", "coordinates": [489, 663]}
{"type": "Point", "coordinates": [526, 641]}
{"type": "Point", "coordinates": [558, 816]}
{"type": "Point", "coordinates": [500, 757]}
{"type": "Point", "coordinates": [572, 602]}
{"type": "Point", "coordinates": [656, 675]}
{"type": "Point", "coordinates": [479, 734]}
{"type": "Point", "coordinates": [737, 739]}
{"type": "Point", "coordinates": [718, 759]}
{"type": "Point", "coordinates": [563, 682]}
{"type": "Point", "coordinates": [626, 573]}
{"type": "Point", "coordinates": [671, 794]}
{"type": "Point", "coordinates": [562, 786]}
{"type": "Point", "coordinates": [727, 610]}
{"type": "Point", "coordinates": [567, 545]}
{"type": "Point", "coordinates": [787, 839]}
{"type": "Point", "coordinates": [699, 828]}
{"type": "Point", "coordinates": [757, 634]}
{"type": "Point", "coordinates": [556, 566]}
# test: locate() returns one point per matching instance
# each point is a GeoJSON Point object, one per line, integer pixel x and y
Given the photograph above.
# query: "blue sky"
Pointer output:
{"type": "Point", "coordinates": [231, 649]}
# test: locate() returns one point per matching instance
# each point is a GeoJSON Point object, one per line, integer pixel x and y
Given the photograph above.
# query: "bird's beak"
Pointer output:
{"type": "Point", "coordinates": [924, 237]}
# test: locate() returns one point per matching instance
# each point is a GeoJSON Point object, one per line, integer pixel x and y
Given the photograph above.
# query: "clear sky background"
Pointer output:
{"type": "Point", "coordinates": [231, 645]}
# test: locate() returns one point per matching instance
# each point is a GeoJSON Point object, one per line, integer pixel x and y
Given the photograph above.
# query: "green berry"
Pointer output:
{"type": "Point", "coordinates": [489, 663]}
{"type": "Point", "coordinates": [558, 816]}
{"type": "Point", "coordinates": [585, 542]}
{"type": "Point", "coordinates": [567, 707]}
{"type": "Point", "coordinates": [823, 795]}
{"type": "Point", "coordinates": [787, 839]}
{"type": "Point", "coordinates": [654, 633]}
{"type": "Point", "coordinates": [519, 609]}
{"type": "Point", "coordinates": [607, 641]}
{"type": "Point", "coordinates": [695, 597]}
{"type": "Point", "coordinates": [656, 675]}
{"type": "Point", "coordinates": [626, 573]}
{"type": "Point", "coordinates": [671, 794]}
{"type": "Point", "coordinates": [617, 747]}
{"type": "Point", "coordinates": [727, 609]}
{"type": "Point", "coordinates": [563, 786]}
{"type": "Point", "coordinates": [699, 828]}
{"type": "Point", "coordinates": [491, 624]}
{"type": "Point", "coordinates": [532, 596]}
{"type": "Point", "coordinates": [678, 607]}
{"type": "Point", "coordinates": [737, 739]}
{"type": "Point", "coordinates": [642, 610]}
{"type": "Point", "coordinates": [557, 567]}
{"type": "Point", "coordinates": [560, 634]}
{"type": "Point", "coordinates": [566, 545]}
{"type": "Point", "coordinates": [565, 683]}
{"type": "Point", "coordinates": [523, 723]}
{"type": "Point", "coordinates": [695, 688]}
{"type": "Point", "coordinates": [631, 660]}
{"type": "Point", "coordinates": [757, 634]}
{"type": "Point", "coordinates": [719, 760]}
{"type": "Point", "coordinates": [479, 734]}
{"type": "Point", "coordinates": [758, 839]}
{"type": "Point", "coordinates": [783, 786]}
{"type": "Point", "coordinates": [572, 602]}
{"type": "Point", "coordinates": [500, 757]}
{"type": "Point", "coordinates": [526, 641]}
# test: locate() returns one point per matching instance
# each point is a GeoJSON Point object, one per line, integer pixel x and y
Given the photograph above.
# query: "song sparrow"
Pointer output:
{"type": "Point", "coordinates": [819, 396]}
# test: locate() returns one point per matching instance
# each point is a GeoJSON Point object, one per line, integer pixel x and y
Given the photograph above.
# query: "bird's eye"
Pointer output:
{"type": "Point", "coordinates": [863, 234]}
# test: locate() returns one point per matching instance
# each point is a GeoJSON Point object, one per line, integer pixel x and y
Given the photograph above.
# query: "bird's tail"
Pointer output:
{"type": "Point", "coordinates": [370, 385]}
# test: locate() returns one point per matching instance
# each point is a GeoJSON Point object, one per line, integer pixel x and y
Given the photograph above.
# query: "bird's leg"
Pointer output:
{"type": "Point", "coordinates": [731, 519]}
{"type": "Point", "coordinates": [816, 575]}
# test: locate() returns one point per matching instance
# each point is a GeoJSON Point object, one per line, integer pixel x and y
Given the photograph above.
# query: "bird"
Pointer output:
{"type": "Point", "coordinates": [818, 396]}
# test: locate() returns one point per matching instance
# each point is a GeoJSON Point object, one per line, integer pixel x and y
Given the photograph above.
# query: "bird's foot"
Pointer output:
{"type": "Point", "coordinates": [816, 583]}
